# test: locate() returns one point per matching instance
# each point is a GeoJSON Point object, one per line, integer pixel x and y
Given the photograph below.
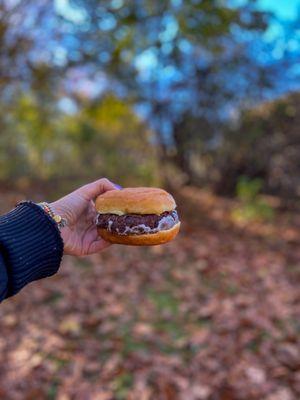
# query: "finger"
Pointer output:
{"type": "Point", "coordinates": [94, 189]}
{"type": "Point", "coordinates": [98, 246]}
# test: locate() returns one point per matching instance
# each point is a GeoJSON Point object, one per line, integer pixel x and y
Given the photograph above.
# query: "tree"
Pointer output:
{"type": "Point", "coordinates": [176, 60]}
{"type": "Point", "coordinates": [186, 66]}
{"type": "Point", "coordinates": [266, 145]}
{"type": "Point", "coordinates": [102, 138]}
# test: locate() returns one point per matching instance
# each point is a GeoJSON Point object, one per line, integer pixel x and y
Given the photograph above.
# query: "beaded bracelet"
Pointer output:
{"type": "Point", "coordinates": [61, 222]}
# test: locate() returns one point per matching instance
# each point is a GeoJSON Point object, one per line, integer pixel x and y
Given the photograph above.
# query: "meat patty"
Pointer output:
{"type": "Point", "coordinates": [136, 224]}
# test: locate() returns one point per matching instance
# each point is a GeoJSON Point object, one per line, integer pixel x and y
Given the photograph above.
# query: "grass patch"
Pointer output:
{"type": "Point", "coordinates": [255, 344]}
{"type": "Point", "coordinates": [54, 297]}
{"type": "Point", "coordinates": [131, 345]}
{"type": "Point", "coordinates": [252, 206]}
{"type": "Point", "coordinates": [52, 390]}
{"type": "Point", "coordinates": [59, 362]}
{"type": "Point", "coordinates": [164, 301]}
{"type": "Point", "coordinates": [121, 385]}
{"type": "Point", "coordinates": [232, 289]}
{"type": "Point", "coordinates": [168, 348]}
{"type": "Point", "coordinates": [172, 328]}
{"type": "Point", "coordinates": [83, 263]}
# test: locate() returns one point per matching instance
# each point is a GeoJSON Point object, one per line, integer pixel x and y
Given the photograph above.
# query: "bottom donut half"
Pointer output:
{"type": "Point", "coordinates": [147, 239]}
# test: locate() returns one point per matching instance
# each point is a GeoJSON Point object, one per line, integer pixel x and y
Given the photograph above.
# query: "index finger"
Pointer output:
{"type": "Point", "coordinates": [94, 189]}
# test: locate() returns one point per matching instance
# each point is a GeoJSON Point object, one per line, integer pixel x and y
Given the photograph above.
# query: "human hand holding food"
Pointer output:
{"type": "Point", "coordinates": [80, 235]}
{"type": "Point", "coordinates": [35, 236]}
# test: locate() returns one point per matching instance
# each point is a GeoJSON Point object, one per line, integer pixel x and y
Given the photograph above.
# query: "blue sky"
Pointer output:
{"type": "Point", "coordinates": [286, 9]}
{"type": "Point", "coordinates": [146, 62]}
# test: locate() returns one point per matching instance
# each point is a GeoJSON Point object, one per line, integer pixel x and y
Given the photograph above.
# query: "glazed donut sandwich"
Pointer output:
{"type": "Point", "coordinates": [137, 216]}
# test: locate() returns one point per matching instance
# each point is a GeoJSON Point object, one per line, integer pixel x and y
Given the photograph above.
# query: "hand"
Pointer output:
{"type": "Point", "coordinates": [80, 236]}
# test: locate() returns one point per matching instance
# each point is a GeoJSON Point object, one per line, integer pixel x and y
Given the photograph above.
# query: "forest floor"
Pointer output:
{"type": "Point", "coordinates": [214, 315]}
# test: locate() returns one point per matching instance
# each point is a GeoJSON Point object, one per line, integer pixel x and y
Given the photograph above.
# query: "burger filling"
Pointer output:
{"type": "Point", "coordinates": [137, 224]}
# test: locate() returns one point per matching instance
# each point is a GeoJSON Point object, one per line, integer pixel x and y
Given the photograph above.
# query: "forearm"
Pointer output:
{"type": "Point", "coordinates": [30, 248]}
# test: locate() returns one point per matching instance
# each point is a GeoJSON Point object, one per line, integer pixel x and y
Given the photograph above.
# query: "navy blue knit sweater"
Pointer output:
{"type": "Point", "coordinates": [31, 248]}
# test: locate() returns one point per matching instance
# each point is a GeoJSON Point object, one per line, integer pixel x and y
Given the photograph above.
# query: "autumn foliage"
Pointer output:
{"type": "Point", "coordinates": [162, 93]}
{"type": "Point", "coordinates": [213, 315]}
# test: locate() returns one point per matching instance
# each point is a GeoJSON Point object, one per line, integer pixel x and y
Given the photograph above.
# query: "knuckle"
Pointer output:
{"type": "Point", "coordinates": [105, 181]}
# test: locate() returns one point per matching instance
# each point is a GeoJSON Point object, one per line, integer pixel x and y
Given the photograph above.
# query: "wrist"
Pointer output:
{"type": "Point", "coordinates": [58, 217]}
{"type": "Point", "coordinates": [64, 231]}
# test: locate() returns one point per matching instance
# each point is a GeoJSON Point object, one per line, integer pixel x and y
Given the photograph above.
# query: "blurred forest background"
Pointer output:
{"type": "Point", "coordinates": [193, 92]}
{"type": "Point", "coordinates": [199, 96]}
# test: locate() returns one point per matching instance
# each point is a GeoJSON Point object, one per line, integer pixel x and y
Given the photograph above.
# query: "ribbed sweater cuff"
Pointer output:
{"type": "Point", "coordinates": [31, 245]}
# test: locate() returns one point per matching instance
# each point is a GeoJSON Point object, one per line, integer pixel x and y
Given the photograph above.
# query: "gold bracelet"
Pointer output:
{"type": "Point", "coordinates": [61, 222]}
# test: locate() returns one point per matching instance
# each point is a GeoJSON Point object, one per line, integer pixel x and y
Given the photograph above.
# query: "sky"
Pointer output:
{"type": "Point", "coordinates": [285, 9]}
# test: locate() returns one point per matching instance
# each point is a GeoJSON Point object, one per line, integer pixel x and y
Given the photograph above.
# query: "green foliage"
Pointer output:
{"type": "Point", "coordinates": [101, 139]}
{"type": "Point", "coordinates": [122, 384]}
{"type": "Point", "coordinates": [252, 207]}
{"type": "Point", "coordinates": [176, 58]}
{"type": "Point", "coordinates": [258, 210]}
{"type": "Point", "coordinates": [247, 190]}
{"type": "Point", "coordinates": [52, 390]}
{"type": "Point", "coordinates": [173, 57]}
{"type": "Point", "coordinates": [265, 143]}
{"type": "Point", "coordinates": [167, 310]}
{"type": "Point", "coordinates": [164, 301]}
{"type": "Point", "coordinates": [109, 137]}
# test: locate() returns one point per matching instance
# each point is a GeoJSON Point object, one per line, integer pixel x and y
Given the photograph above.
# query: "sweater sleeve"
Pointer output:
{"type": "Point", "coordinates": [31, 248]}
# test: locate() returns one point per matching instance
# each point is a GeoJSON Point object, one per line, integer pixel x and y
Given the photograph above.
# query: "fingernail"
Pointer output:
{"type": "Point", "coordinates": [118, 186]}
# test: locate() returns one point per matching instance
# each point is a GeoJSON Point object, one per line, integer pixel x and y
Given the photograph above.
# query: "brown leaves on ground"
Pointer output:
{"type": "Point", "coordinates": [213, 315]}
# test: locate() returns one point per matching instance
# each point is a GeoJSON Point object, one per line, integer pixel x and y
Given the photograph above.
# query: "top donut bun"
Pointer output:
{"type": "Point", "coordinates": [139, 200]}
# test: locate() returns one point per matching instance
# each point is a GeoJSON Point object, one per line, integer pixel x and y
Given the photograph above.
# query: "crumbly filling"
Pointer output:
{"type": "Point", "coordinates": [137, 224]}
